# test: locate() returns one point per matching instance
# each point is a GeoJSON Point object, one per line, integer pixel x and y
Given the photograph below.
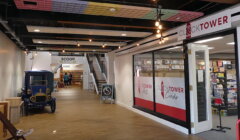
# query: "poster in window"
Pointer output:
{"type": "Point", "coordinates": [170, 97]}
{"type": "Point", "coordinates": [144, 92]}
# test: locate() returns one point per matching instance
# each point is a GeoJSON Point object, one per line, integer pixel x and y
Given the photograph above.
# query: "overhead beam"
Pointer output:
{"type": "Point", "coordinates": [105, 25]}
{"type": "Point", "coordinates": [224, 1]}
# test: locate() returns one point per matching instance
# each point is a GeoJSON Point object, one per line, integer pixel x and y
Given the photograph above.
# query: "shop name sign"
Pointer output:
{"type": "Point", "coordinates": [67, 60]}
{"type": "Point", "coordinates": [206, 25]}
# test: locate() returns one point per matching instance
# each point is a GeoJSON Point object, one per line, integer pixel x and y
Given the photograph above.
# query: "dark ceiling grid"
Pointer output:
{"type": "Point", "coordinates": [19, 19]}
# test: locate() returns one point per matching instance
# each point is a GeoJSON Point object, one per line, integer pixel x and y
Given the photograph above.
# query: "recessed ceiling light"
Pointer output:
{"type": "Point", "coordinates": [90, 40]}
{"type": "Point", "coordinates": [36, 30]}
{"type": "Point", "coordinates": [177, 47]}
{"type": "Point", "coordinates": [119, 47]}
{"type": "Point", "coordinates": [124, 34]}
{"type": "Point", "coordinates": [63, 51]}
{"type": "Point", "coordinates": [231, 43]}
{"type": "Point", "coordinates": [208, 40]}
{"type": "Point", "coordinates": [112, 9]}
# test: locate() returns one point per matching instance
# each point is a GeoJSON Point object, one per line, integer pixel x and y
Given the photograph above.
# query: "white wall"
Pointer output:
{"type": "Point", "coordinates": [124, 79]}
{"type": "Point", "coordinates": [11, 68]}
{"type": "Point", "coordinates": [110, 57]}
{"type": "Point", "coordinates": [41, 61]}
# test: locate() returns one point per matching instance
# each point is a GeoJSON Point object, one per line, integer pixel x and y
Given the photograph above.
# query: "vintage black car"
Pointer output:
{"type": "Point", "coordinates": [37, 91]}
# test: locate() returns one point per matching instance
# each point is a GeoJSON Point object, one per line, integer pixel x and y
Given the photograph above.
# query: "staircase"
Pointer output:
{"type": "Point", "coordinates": [96, 71]}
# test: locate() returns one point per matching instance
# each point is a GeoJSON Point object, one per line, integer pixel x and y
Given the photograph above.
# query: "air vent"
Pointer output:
{"type": "Point", "coordinates": [30, 3]}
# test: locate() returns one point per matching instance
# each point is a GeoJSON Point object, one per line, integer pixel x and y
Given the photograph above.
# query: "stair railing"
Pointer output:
{"type": "Point", "coordinates": [101, 67]}
{"type": "Point", "coordinates": [92, 73]}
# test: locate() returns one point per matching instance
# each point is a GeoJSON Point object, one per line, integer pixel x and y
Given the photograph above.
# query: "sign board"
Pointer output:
{"type": "Point", "coordinates": [170, 97]}
{"type": "Point", "coordinates": [67, 60]}
{"type": "Point", "coordinates": [144, 92]}
{"type": "Point", "coordinates": [107, 91]}
{"type": "Point", "coordinates": [206, 25]}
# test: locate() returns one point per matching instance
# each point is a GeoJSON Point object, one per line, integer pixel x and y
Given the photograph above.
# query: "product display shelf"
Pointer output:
{"type": "Point", "coordinates": [77, 75]}
{"type": "Point", "coordinates": [223, 83]}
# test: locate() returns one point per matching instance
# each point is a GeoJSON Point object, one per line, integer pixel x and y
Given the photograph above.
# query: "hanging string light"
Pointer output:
{"type": "Point", "coordinates": [158, 24]}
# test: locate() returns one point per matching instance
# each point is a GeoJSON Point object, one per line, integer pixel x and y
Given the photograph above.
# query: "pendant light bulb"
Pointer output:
{"type": "Point", "coordinates": [159, 26]}
{"type": "Point", "coordinates": [158, 35]}
{"type": "Point", "coordinates": [158, 31]}
{"type": "Point", "coordinates": [157, 23]}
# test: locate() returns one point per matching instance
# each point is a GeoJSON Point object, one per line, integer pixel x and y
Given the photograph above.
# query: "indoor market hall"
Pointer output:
{"type": "Point", "coordinates": [119, 70]}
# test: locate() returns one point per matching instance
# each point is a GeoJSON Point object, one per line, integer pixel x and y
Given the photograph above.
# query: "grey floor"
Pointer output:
{"type": "Point", "coordinates": [228, 121]}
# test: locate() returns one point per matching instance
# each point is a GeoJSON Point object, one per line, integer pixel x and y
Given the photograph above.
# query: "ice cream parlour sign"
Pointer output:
{"type": "Point", "coordinates": [67, 60]}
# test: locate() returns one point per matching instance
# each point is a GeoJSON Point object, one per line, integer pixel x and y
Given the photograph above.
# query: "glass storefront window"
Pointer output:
{"type": "Point", "coordinates": [170, 83]}
{"type": "Point", "coordinates": [143, 81]}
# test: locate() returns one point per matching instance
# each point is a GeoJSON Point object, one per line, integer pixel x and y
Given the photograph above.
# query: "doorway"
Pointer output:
{"type": "Point", "coordinates": [213, 77]}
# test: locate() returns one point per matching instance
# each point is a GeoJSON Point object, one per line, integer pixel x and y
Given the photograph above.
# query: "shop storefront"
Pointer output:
{"type": "Point", "coordinates": [180, 83]}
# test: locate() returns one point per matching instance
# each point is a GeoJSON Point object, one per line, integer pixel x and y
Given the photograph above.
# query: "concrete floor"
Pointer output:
{"type": "Point", "coordinates": [80, 116]}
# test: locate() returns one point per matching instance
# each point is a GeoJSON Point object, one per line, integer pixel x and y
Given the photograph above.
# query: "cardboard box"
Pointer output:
{"type": "Point", "coordinates": [15, 109]}
{"type": "Point", "coordinates": [14, 101]}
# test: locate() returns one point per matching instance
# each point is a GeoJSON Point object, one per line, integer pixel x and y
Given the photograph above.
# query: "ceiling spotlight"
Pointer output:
{"type": "Point", "coordinates": [78, 44]}
{"type": "Point", "coordinates": [119, 47]}
{"type": "Point", "coordinates": [112, 10]}
{"type": "Point", "coordinates": [158, 31]}
{"type": "Point", "coordinates": [138, 44]}
{"type": "Point", "coordinates": [160, 42]}
{"type": "Point", "coordinates": [103, 46]}
{"type": "Point", "coordinates": [166, 38]}
{"type": "Point", "coordinates": [63, 51]}
{"type": "Point", "coordinates": [40, 42]}
{"type": "Point", "coordinates": [36, 30]}
{"type": "Point", "coordinates": [50, 53]}
{"type": "Point", "coordinates": [90, 40]}
{"type": "Point", "coordinates": [124, 34]}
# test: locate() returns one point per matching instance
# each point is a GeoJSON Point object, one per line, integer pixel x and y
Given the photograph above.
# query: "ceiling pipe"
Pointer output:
{"type": "Point", "coordinates": [11, 32]}
{"type": "Point", "coordinates": [224, 1]}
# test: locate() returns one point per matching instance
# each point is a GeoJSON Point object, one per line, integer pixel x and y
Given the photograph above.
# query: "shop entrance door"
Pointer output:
{"type": "Point", "coordinates": [199, 85]}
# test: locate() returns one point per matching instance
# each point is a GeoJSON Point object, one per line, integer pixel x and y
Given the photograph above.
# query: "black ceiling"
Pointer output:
{"type": "Point", "coordinates": [18, 19]}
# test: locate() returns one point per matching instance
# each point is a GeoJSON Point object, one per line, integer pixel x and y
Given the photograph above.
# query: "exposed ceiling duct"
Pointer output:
{"type": "Point", "coordinates": [224, 1]}
{"type": "Point", "coordinates": [12, 33]}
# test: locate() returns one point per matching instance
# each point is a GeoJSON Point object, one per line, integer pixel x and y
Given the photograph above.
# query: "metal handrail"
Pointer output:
{"type": "Point", "coordinates": [93, 74]}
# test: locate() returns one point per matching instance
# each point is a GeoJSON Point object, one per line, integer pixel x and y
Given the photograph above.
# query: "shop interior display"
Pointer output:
{"type": "Point", "coordinates": [77, 76]}
{"type": "Point", "coordinates": [224, 85]}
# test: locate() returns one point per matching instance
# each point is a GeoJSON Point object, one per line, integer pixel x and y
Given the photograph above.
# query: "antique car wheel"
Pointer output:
{"type": "Point", "coordinates": [53, 106]}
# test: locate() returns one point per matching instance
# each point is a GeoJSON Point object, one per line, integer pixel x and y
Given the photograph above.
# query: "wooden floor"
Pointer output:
{"type": "Point", "coordinates": [80, 116]}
